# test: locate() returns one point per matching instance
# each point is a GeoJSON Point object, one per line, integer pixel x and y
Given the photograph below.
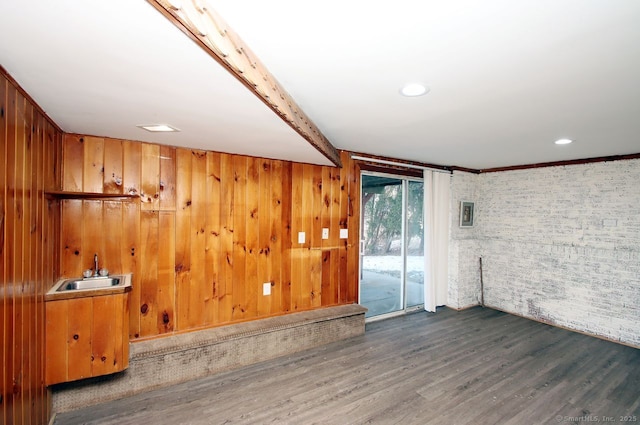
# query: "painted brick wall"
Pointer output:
{"type": "Point", "coordinates": [464, 249]}
{"type": "Point", "coordinates": [559, 244]}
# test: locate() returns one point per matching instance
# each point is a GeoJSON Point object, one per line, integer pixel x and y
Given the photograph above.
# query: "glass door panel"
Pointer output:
{"type": "Point", "coordinates": [391, 244]}
{"type": "Point", "coordinates": [381, 247]}
{"type": "Point", "coordinates": [415, 244]}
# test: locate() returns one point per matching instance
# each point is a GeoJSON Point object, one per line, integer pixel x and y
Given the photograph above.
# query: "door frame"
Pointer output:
{"type": "Point", "coordinates": [403, 278]}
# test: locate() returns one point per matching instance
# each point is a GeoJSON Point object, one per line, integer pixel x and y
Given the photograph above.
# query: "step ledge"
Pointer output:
{"type": "Point", "coordinates": [211, 336]}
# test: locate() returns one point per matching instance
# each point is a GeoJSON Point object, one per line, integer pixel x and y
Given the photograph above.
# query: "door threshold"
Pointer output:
{"type": "Point", "coordinates": [393, 314]}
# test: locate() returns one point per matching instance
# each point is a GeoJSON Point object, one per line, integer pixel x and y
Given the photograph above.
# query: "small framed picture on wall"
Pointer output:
{"type": "Point", "coordinates": [466, 214]}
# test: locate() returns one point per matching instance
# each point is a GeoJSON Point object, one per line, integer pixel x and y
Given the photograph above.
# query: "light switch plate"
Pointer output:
{"type": "Point", "coordinates": [301, 237]}
{"type": "Point", "coordinates": [266, 288]}
{"type": "Point", "coordinates": [344, 233]}
{"type": "Point", "coordinates": [325, 233]}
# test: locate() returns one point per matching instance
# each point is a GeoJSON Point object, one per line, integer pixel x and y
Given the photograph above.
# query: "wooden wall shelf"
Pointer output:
{"type": "Point", "coordinates": [61, 194]}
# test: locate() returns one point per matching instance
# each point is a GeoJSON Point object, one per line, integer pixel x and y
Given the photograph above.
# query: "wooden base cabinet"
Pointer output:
{"type": "Point", "coordinates": [86, 337]}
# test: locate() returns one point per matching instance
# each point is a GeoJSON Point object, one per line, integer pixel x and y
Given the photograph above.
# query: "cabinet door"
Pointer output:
{"type": "Point", "coordinates": [86, 337]}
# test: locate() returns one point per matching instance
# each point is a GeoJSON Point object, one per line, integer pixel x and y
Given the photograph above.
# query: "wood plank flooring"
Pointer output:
{"type": "Point", "coordinates": [478, 366]}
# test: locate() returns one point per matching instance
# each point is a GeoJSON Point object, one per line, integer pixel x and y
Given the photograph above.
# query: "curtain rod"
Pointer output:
{"type": "Point", "coordinates": [398, 164]}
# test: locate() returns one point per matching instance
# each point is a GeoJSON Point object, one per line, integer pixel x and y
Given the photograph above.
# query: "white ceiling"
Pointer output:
{"type": "Point", "coordinates": [506, 77]}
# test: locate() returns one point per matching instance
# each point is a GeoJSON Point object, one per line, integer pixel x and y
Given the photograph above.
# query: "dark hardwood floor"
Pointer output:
{"type": "Point", "coordinates": [478, 366]}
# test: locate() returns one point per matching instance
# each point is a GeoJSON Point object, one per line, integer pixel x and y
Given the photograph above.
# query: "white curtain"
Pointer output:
{"type": "Point", "coordinates": [436, 234]}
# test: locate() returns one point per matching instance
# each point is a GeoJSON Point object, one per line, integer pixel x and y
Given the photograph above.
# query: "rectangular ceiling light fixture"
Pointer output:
{"type": "Point", "coordinates": [158, 128]}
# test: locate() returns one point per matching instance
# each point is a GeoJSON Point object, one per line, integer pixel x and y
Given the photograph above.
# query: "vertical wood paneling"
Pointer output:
{"type": "Point", "coordinates": [20, 409]}
{"type": "Point", "coordinates": [286, 238]}
{"type": "Point", "coordinates": [148, 278]}
{"type": "Point", "coordinates": [239, 236]}
{"type": "Point", "coordinates": [264, 266]}
{"type": "Point", "coordinates": [297, 225]}
{"type": "Point", "coordinates": [10, 254]}
{"type": "Point", "coordinates": [334, 235]}
{"type": "Point", "coordinates": [71, 235]}
{"type": "Point", "coordinates": [325, 223]}
{"type": "Point", "coordinates": [26, 245]}
{"type": "Point", "coordinates": [353, 224]}
{"type": "Point", "coordinates": [113, 244]}
{"type": "Point", "coordinates": [30, 265]}
{"type": "Point", "coordinates": [252, 280]}
{"type": "Point", "coordinates": [5, 330]}
{"type": "Point", "coordinates": [316, 237]}
{"type": "Point", "coordinates": [200, 296]}
{"type": "Point", "coordinates": [343, 221]}
{"type": "Point", "coordinates": [73, 161]}
{"type": "Point", "coordinates": [131, 260]}
{"type": "Point", "coordinates": [50, 244]}
{"type": "Point", "coordinates": [26, 293]}
{"type": "Point", "coordinates": [37, 226]}
{"type": "Point", "coordinates": [212, 231]}
{"type": "Point", "coordinates": [166, 272]}
{"type": "Point", "coordinates": [132, 163]}
{"type": "Point", "coordinates": [167, 183]}
{"type": "Point", "coordinates": [93, 235]}
{"type": "Point", "coordinates": [225, 291]}
{"type": "Point", "coordinates": [306, 255]}
{"type": "Point", "coordinates": [93, 165]}
{"type": "Point", "coordinates": [275, 254]}
{"type": "Point", "coordinates": [113, 172]}
{"type": "Point", "coordinates": [131, 181]}
{"type": "Point", "coordinates": [183, 238]}
{"type": "Point", "coordinates": [150, 196]}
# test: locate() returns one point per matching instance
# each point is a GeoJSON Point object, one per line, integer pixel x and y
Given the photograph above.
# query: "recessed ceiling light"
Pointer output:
{"type": "Point", "coordinates": [563, 141]}
{"type": "Point", "coordinates": [414, 89]}
{"type": "Point", "coordinates": [158, 128]}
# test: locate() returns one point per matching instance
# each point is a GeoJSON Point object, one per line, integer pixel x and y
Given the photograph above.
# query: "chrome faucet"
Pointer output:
{"type": "Point", "coordinates": [95, 262]}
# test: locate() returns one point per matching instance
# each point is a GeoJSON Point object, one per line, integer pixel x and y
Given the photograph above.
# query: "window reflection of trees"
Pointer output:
{"type": "Point", "coordinates": [383, 223]}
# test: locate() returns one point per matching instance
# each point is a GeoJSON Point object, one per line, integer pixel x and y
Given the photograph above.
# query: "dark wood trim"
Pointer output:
{"type": "Point", "coordinates": [26, 95]}
{"type": "Point", "coordinates": [465, 170]}
{"type": "Point", "coordinates": [398, 161]}
{"type": "Point", "coordinates": [302, 125]}
{"type": "Point", "coordinates": [561, 163]}
{"type": "Point", "coordinates": [409, 172]}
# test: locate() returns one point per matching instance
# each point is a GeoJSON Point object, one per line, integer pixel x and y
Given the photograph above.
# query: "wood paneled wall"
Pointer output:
{"type": "Point", "coordinates": [30, 147]}
{"type": "Point", "coordinates": [208, 230]}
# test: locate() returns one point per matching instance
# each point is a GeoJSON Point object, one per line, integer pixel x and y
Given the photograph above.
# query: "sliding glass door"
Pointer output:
{"type": "Point", "coordinates": [391, 244]}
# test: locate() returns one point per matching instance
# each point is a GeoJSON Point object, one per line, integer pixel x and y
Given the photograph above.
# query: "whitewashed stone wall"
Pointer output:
{"type": "Point", "coordinates": [464, 250]}
{"type": "Point", "coordinates": [559, 244]}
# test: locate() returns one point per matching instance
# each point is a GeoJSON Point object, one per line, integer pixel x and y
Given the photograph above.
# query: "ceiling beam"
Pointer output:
{"type": "Point", "coordinates": [204, 26]}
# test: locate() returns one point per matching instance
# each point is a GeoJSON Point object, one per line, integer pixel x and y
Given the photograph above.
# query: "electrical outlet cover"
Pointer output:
{"type": "Point", "coordinates": [301, 237]}
{"type": "Point", "coordinates": [344, 233]}
{"type": "Point", "coordinates": [266, 288]}
{"type": "Point", "coordinates": [325, 233]}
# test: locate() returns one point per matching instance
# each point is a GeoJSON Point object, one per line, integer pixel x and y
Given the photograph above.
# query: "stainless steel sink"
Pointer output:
{"type": "Point", "coordinates": [89, 283]}
{"type": "Point", "coordinates": [78, 287]}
